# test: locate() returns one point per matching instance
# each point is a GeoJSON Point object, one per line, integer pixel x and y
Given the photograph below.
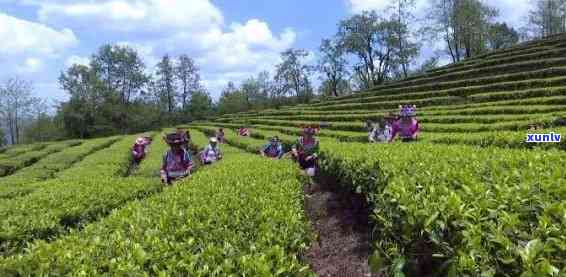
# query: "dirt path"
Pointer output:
{"type": "Point", "coordinates": [340, 221]}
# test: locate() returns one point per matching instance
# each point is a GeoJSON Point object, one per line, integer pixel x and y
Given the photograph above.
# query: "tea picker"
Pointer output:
{"type": "Point", "coordinates": [273, 149]}
{"type": "Point", "coordinates": [305, 151]}
{"type": "Point", "coordinates": [140, 149]}
{"type": "Point", "coordinates": [211, 153]}
{"type": "Point", "coordinates": [407, 126]}
{"type": "Point", "coordinates": [177, 162]}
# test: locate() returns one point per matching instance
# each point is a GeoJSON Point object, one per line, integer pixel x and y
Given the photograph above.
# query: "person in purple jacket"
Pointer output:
{"type": "Point", "coordinates": [139, 150]}
{"type": "Point", "coordinates": [177, 162]}
{"type": "Point", "coordinates": [273, 149]}
{"type": "Point", "coordinates": [407, 126]}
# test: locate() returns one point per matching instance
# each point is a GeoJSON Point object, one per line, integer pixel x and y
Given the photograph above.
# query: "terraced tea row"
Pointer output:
{"type": "Point", "coordinates": [105, 164]}
{"type": "Point", "coordinates": [67, 203]}
{"type": "Point", "coordinates": [544, 105]}
{"type": "Point", "coordinates": [443, 210]}
{"type": "Point", "coordinates": [15, 163]}
{"type": "Point", "coordinates": [487, 64]}
{"type": "Point", "coordinates": [447, 124]}
{"type": "Point", "coordinates": [438, 119]}
{"type": "Point", "coordinates": [13, 151]}
{"type": "Point", "coordinates": [531, 105]}
{"type": "Point", "coordinates": [467, 207]}
{"type": "Point", "coordinates": [492, 98]}
{"type": "Point", "coordinates": [47, 167]}
{"type": "Point", "coordinates": [528, 88]}
{"type": "Point", "coordinates": [449, 117]}
{"type": "Point", "coordinates": [517, 50]}
{"type": "Point", "coordinates": [503, 139]}
{"type": "Point", "coordinates": [51, 207]}
{"type": "Point", "coordinates": [540, 52]}
{"type": "Point", "coordinates": [507, 63]}
{"type": "Point", "coordinates": [242, 216]}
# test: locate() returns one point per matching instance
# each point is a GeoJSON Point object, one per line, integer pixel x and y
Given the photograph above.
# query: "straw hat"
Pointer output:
{"type": "Point", "coordinates": [174, 139]}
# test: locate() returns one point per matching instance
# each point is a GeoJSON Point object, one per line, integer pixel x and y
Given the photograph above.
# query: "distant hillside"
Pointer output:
{"type": "Point", "coordinates": [507, 90]}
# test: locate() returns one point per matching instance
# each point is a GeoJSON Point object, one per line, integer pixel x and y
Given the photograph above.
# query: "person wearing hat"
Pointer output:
{"type": "Point", "coordinates": [212, 152]}
{"type": "Point", "coordinates": [380, 132]}
{"type": "Point", "coordinates": [177, 162]}
{"type": "Point", "coordinates": [139, 150]}
{"type": "Point", "coordinates": [407, 127]}
{"type": "Point", "coordinates": [220, 135]}
{"type": "Point", "coordinates": [305, 151]}
{"type": "Point", "coordinates": [273, 149]}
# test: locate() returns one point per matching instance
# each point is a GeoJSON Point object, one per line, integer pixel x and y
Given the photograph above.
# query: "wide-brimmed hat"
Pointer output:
{"type": "Point", "coordinates": [140, 140]}
{"type": "Point", "coordinates": [213, 140]}
{"type": "Point", "coordinates": [174, 139]}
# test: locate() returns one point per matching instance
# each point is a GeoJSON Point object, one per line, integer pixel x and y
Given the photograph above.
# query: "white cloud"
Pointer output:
{"type": "Point", "coordinates": [249, 46]}
{"type": "Point", "coordinates": [140, 15]}
{"type": "Point", "coordinates": [224, 51]}
{"type": "Point", "coordinates": [19, 36]}
{"type": "Point", "coordinates": [74, 59]}
{"type": "Point", "coordinates": [30, 65]}
{"type": "Point", "coordinates": [358, 6]}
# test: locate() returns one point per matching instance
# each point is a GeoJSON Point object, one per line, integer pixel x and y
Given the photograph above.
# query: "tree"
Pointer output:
{"type": "Point", "coordinates": [113, 94]}
{"type": "Point", "coordinates": [265, 86]}
{"type": "Point", "coordinates": [293, 74]}
{"type": "Point", "coordinates": [121, 78]}
{"type": "Point", "coordinates": [548, 17]}
{"type": "Point", "coordinates": [188, 74]}
{"type": "Point", "coordinates": [88, 96]}
{"type": "Point", "coordinates": [15, 104]}
{"type": "Point", "coordinates": [332, 64]}
{"type": "Point", "coordinates": [502, 36]}
{"type": "Point", "coordinates": [372, 39]}
{"type": "Point", "coordinates": [121, 69]}
{"type": "Point", "coordinates": [39, 119]}
{"type": "Point", "coordinates": [407, 51]}
{"type": "Point", "coordinates": [166, 82]}
{"type": "Point", "coordinates": [326, 89]}
{"type": "Point", "coordinates": [232, 100]}
{"type": "Point", "coordinates": [255, 93]}
{"type": "Point", "coordinates": [463, 25]}
{"type": "Point", "coordinates": [201, 105]}
{"type": "Point", "coordinates": [42, 126]}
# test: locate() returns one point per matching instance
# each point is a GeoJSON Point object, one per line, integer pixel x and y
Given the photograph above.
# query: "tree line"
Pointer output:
{"type": "Point", "coordinates": [117, 93]}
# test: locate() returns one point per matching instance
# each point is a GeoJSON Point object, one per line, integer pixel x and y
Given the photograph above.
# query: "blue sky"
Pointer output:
{"type": "Point", "coordinates": [230, 40]}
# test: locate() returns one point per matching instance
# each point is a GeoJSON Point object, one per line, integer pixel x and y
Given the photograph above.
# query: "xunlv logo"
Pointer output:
{"type": "Point", "coordinates": [552, 137]}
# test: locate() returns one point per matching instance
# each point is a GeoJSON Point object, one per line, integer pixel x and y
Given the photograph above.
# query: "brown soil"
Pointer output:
{"type": "Point", "coordinates": [340, 221]}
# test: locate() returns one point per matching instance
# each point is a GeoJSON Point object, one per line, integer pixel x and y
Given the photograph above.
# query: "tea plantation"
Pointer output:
{"type": "Point", "coordinates": [470, 198]}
